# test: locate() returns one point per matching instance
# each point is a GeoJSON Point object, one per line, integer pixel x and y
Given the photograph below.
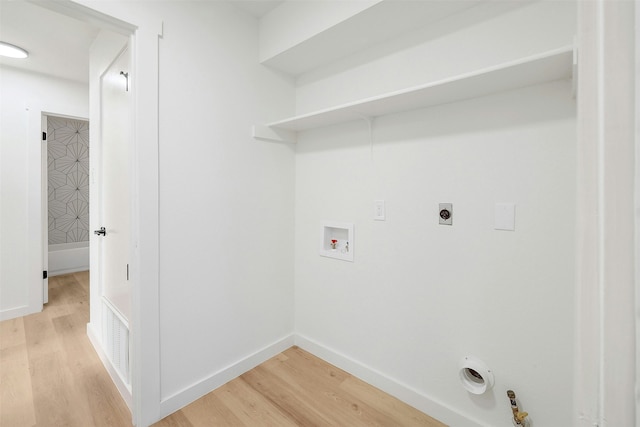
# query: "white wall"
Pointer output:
{"type": "Point", "coordinates": [18, 173]}
{"type": "Point", "coordinates": [226, 201]}
{"type": "Point", "coordinates": [293, 22]}
{"type": "Point", "coordinates": [420, 296]}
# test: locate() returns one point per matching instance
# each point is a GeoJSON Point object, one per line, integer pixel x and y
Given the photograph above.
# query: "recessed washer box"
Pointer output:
{"type": "Point", "coordinates": [337, 240]}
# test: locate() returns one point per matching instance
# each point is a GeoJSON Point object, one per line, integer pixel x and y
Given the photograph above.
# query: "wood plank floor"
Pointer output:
{"type": "Point", "coordinates": [51, 376]}
{"type": "Point", "coordinates": [296, 388]}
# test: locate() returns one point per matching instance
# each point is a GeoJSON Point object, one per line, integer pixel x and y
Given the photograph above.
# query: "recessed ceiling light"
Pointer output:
{"type": "Point", "coordinates": [11, 51]}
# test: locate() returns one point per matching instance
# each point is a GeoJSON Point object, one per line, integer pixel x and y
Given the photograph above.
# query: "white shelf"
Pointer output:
{"type": "Point", "coordinates": [380, 22]}
{"type": "Point", "coordinates": [545, 67]}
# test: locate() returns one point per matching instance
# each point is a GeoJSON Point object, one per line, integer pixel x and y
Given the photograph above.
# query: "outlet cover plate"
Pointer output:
{"type": "Point", "coordinates": [445, 213]}
{"type": "Point", "coordinates": [378, 210]}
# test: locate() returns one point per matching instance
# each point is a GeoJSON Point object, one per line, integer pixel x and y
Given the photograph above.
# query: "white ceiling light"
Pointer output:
{"type": "Point", "coordinates": [12, 51]}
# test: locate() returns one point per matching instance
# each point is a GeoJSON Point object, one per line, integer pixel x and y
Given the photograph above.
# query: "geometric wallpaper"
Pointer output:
{"type": "Point", "coordinates": [68, 180]}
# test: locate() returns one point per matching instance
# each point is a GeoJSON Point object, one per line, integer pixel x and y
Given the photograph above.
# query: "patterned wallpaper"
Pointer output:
{"type": "Point", "coordinates": [68, 170]}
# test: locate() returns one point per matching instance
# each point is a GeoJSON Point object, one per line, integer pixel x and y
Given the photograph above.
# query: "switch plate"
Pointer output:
{"type": "Point", "coordinates": [505, 216]}
{"type": "Point", "coordinates": [378, 210]}
{"type": "Point", "coordinates": [445, 213]}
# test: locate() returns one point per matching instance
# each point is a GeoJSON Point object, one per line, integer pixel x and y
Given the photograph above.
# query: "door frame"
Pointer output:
{"type": "Point", "coordinates": [37, 198]}
{"type": "Point", "coordinates": [44, 115]}
{"type": "Point", "coordinates": [144, 32]}
{"type": "Point", "coordinates": [637, 204]}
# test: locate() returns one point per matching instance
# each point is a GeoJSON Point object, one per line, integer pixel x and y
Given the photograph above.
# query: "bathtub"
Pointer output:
{"type": "Point", "coordinates": [68, 258]}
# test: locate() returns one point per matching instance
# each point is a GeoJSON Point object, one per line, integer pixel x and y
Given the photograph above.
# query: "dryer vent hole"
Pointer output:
{"type": "Point", "coordinates": [473, 376]}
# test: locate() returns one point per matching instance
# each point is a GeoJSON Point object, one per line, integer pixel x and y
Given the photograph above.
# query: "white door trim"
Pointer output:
{"type": "Point", "coordinates": [637, 206]}
{"type": "Point", "coordinates": [44, 161]}
{"type": "Point", "coordinates": [44, 189]}
{"type": "Point", "coordinates": [145, 32]}
{"type": "Point", "coordinates": [36, 199]}
{"type": "Point", "coordinates": [605, 371]}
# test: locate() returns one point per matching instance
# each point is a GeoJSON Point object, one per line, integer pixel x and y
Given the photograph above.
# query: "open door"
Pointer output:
{"type": "Point", "coordinates": [111, 290]}
{"type": "Point", "coordinates": [115, 194]}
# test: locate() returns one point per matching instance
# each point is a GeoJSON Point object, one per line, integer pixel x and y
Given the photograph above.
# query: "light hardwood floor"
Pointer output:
{"type": "Point", "coordinates": [50, 376]}
{"type": "Point", "coordinates": [296, 388]}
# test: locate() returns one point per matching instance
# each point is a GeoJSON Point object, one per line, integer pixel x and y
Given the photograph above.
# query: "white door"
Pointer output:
{"type": "Point", "coordinates": [115, 196]}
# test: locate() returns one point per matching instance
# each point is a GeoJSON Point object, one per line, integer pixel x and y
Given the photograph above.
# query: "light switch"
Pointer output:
{"type": "Point", "coordinates": [378, 210]}
{"type": "Point", "coordinates": [505, 216]}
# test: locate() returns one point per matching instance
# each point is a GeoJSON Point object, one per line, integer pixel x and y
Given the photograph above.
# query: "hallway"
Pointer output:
{"type": "Point", "coordinates": [50, 374]}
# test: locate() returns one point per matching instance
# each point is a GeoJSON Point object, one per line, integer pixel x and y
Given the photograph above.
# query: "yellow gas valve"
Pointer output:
{"type": "Point", "coordinates": [520, 416]}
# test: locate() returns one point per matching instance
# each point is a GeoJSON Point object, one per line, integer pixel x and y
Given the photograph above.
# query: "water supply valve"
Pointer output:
{"type": "Point", "coordinates": [519, 418]}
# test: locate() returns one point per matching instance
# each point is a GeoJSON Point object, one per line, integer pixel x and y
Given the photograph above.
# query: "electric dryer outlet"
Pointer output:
{"type": "Point", "coordinates": [445, 213]}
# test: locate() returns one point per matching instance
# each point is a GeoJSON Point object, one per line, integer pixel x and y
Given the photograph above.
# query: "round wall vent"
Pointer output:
{"type": "Point", "coordinates": [476, 378]}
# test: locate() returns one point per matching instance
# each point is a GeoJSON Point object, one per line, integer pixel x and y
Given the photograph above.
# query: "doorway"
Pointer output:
{"type": "Point", "coordinates": [66, 202]}
{"type": "Point", "coordinates": [143, 33]}
{"type": "Point", "coordinates": [70, 204]}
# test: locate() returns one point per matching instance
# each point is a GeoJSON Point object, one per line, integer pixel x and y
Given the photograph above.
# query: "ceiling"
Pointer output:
{"type": "Point", "coordinates": [257, 7]}
{"type": "Point", "coordinates": [59, 45]}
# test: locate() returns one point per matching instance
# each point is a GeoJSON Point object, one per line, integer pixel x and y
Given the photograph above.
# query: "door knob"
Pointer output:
{"type": "Point", "coordinates": [102, 231]}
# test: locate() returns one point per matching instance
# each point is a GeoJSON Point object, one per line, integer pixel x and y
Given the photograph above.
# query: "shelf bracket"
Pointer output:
{"type": "Point", "coordinates": [266, 133]}
{"type": "Point", "coordinates": [369, 120]}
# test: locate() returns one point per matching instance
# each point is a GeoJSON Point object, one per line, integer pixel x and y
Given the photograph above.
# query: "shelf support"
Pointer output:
{"type": "Point", "coordinates": [266, 133]}
{"type": "Point", "coordinates": [369, 120]}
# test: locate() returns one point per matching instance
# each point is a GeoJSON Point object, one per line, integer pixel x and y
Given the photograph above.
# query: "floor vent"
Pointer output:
{"type": "Point", "coordinates": [115, 338]}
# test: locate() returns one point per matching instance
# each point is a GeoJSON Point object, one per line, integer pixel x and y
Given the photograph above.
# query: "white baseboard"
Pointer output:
{"type": "Point", "coordinates": [125, 391]}
{"type": "Point", "coordinates": [405, 393]}
{"type": "Point", "coordinates": [182, 398]}
{"type": "Point", "coordinates": [68, 258]}
{"type": "Point", "coordinates": [12, 313]}
{"type": "Point", "coordinates": [68, 270]}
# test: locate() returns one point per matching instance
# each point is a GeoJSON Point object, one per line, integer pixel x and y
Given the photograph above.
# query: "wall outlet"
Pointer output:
{"type": "Point", "coordinates": [445, 213]}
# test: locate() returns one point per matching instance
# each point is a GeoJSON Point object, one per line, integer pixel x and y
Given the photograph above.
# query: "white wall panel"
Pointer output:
{"type": "Point", "coordinates": [226, 201]}
{"type": "Point", "coordinates": [21, 90]}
